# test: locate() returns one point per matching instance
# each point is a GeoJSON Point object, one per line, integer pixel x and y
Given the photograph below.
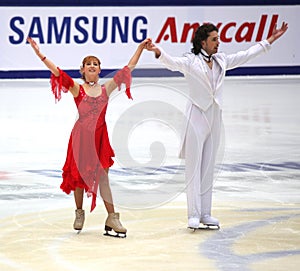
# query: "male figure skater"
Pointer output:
{"type": "Point", "coordinates": [204, 69]}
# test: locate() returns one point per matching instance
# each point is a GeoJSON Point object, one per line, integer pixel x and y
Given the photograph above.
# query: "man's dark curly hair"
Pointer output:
{"type": "Point", "coordinates": [201, 34]}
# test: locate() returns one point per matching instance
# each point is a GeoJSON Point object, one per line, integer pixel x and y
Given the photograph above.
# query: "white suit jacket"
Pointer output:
{"type": "Point", "coordinates": [194, 69]}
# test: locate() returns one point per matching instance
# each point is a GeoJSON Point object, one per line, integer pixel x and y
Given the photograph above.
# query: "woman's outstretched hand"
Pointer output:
{"type": "Point", "coordinates": [33, 45]}
{"type": "Point", "coordinates": [152, 47]}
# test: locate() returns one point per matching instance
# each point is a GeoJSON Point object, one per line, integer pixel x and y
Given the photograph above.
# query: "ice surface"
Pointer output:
{"type": "Point", "coordinates": [256, 189]}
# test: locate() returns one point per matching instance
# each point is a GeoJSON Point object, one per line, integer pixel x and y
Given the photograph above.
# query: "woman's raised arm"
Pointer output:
{"type": "Point", "coordinates": [122, 76]}
{"type": "Point", "coordinates": [50, 65]}
{"type": "Point", "coordinates": [72, 86]}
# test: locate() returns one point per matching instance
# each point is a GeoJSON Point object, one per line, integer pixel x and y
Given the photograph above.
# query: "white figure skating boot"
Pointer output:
{"type": "Point", "coordinates": [113, 223]}
{"type": "Point", "coordinates": [79, 219]}
{"type": "Point", "coordinates": [210, 221]}
{"type": "Point", "coordinates": [193, 223]}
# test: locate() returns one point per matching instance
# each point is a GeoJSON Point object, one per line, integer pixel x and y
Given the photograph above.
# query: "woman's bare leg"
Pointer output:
{"type": "Point", "coordinates": [106, 194]}
{"type": "Point", "coordinates": [78, 195]}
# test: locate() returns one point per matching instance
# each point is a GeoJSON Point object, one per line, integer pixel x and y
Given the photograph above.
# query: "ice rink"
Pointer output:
{"type": "Point", "coordinates": [256, 189]}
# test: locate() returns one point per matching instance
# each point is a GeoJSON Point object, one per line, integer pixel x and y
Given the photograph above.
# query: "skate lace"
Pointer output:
{"type": "Point", "coordinates": [117, 223]}
{"type": "Point", "coordinates": [79, 216]}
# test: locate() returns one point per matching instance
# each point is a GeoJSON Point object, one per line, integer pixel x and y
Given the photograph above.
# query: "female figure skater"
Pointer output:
{"type": "Point", "coordinates": [89, 153]}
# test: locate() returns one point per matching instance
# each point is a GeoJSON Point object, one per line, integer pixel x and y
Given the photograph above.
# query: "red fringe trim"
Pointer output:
{"type": "Point", "coordinates": [61, 83]}
{"type": "Point", "coordinates": [124, 76]}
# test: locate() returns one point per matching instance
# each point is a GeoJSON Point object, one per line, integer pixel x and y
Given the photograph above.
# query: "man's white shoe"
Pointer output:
{"type": "Point", "coordinates": [194, 222]}
{"type": "Point", "coordinates": [209, 221]}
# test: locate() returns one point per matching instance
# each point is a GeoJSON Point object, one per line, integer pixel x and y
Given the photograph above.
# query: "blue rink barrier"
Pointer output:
{"type": "Point", "coordinates": [286, 70]}
{"type": "Point", "coordinates": [147, 3]}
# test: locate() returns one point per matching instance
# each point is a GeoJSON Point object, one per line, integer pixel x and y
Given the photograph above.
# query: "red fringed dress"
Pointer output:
{"type": "Point", "coordinates": [89, 150]}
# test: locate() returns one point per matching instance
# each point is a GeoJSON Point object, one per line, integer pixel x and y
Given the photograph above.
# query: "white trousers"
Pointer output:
{"type": "Point", "coordinates": [201, 144]}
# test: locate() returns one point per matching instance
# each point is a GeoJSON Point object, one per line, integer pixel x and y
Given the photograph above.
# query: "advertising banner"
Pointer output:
{"type": "Point", "coordinates": [67, 34]}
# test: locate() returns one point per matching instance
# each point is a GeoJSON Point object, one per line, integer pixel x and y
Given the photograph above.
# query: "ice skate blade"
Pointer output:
{"type": "Point", "coordinates": [117, 235]}
{"type": "Point", "coordinates": [205, 227]}
{"type": "Point", "coordinates": [78, 230]}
